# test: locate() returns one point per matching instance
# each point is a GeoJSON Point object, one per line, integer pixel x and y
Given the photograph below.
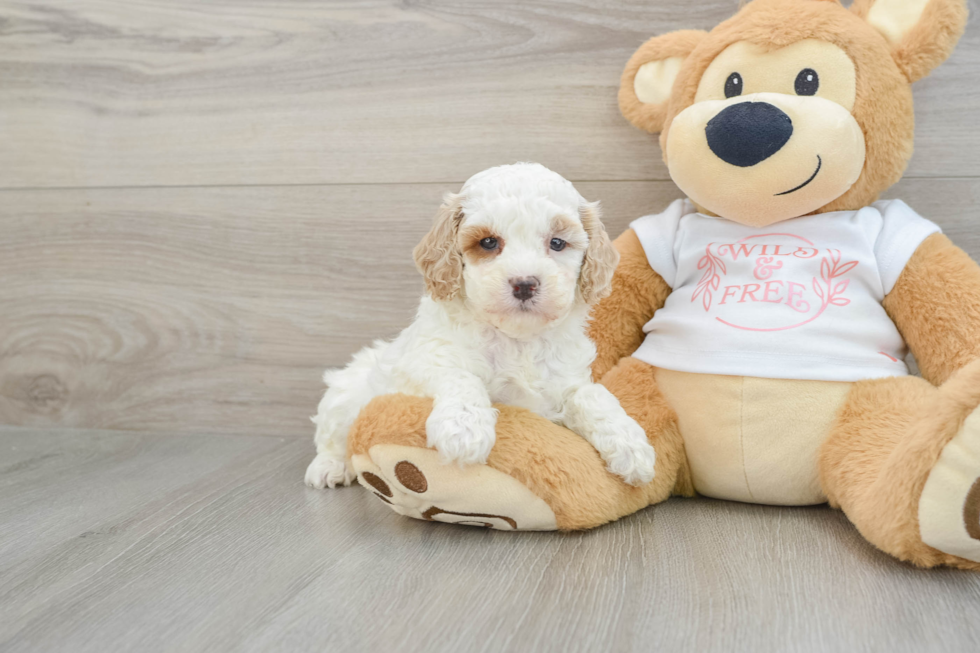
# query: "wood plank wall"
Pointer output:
{"type": "Point", "coordinates": [203, 203]}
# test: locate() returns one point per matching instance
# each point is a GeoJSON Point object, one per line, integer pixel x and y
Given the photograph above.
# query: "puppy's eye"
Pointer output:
{"type": "Point", "coordinates": [488, 244]}
{"type": "Point", "coordinates": [807, 82]}
{"type": "Point", "coordinates": [557, 244]}
{"type": "Point", "coordinates": [733, 85]}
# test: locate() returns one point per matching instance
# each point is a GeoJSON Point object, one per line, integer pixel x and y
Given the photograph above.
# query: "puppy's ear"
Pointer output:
{"type": "Point", "coordinates": [601, 257]}
{"type": "Point", "coordinates": [647, 81]}
{"type": "Point", "coordinates": [922, 33]}
{"type": "Point", "coordinates": [438, 257]}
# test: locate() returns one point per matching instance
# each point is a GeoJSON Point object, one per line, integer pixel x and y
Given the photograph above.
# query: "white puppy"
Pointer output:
{"type": "Point", "coordinates": [511, 266]}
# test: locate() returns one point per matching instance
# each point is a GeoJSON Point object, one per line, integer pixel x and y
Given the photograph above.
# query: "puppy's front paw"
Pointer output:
{"type": "Point", "coordinates": [328, 471]}
{"type": "Point", "coordinates": [628, 453]}
{"type": "Point", "coordinates": [462, 433]}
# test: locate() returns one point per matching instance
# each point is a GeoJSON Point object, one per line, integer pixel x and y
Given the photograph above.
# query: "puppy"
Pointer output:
{"type": "Point", "coordinates": [512, 265]}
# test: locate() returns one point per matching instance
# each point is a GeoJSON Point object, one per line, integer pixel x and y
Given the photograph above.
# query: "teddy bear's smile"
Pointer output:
{"type": "Point", "coordinates": [812, 177]}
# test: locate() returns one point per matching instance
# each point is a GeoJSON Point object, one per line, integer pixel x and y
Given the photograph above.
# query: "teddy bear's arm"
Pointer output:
{"type": "Point", "coordinates": [617, 320]}
{"type": "Point", "coordinates": [936, 306]}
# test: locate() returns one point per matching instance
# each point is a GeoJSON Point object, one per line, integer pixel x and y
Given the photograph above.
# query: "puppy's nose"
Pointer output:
{"type": "Point", "coordinates": [748, 133]}
{"type": "Point", "coordinates": [524, 287]}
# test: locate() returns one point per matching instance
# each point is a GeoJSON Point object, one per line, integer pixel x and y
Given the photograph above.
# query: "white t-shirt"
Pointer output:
{"type": "Point", "coordinates": [799, 299]}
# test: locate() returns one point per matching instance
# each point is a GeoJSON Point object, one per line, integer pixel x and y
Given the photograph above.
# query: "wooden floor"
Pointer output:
{"type": "Point", "coordinates": [122, 541]}
{"type": "Point", "coordinates": [203, 203]}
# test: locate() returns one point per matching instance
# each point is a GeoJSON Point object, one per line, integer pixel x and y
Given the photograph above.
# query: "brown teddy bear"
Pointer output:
{"type": "Point", "coordinates": [757, 330]}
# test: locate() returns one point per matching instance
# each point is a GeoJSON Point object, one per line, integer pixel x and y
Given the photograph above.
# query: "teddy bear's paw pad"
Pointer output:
{"type": "Point", "coordinates": [415, 483]}
{"type": "Point", "coordinates": [949, 508]}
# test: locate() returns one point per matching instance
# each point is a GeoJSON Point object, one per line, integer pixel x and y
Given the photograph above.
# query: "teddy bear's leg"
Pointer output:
{"type": "Point", "coordinates": [903, 462]}
{"type": "Point", "coordinates": [539, 476]}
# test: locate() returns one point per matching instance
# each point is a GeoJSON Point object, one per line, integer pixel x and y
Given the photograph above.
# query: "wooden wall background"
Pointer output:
{"type": "Point", "coordinates": [203, 203]}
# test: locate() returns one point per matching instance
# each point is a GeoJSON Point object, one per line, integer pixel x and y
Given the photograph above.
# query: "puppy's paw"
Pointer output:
{"type": "Point", "coordinates": [462, 433]}
{"type": "Point", "coordinates": [329, 471]}
{"type": "Point", "coordinates": [627, 452]}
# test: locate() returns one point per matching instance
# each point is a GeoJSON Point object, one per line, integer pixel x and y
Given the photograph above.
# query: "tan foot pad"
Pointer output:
{"type": "Point", "coordinates": [416, 484]}
{"type": "Point", "coordinates": [949, 509]}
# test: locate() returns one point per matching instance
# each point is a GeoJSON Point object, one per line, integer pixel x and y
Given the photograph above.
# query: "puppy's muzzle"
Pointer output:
{"type": "Point", "coordinates": [748, 133]}
{"type": "Point", "coordinates": [524, 288]}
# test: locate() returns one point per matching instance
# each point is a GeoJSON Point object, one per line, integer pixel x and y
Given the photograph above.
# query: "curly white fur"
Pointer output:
{"type": "Point", "coordinates": [479, 343]}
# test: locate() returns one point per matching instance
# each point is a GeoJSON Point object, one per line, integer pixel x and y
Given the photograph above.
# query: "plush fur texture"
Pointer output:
{"type": "Point", "coordinates": [759, 442]}
{"type": "Point", "coordinates": [931, 41]}
{"type": "Point", "coordinates": [637, 292]}
{"type": "Point", "coordinates": [886, 440]}
{"type": "Point", "coordinates": [476, 340]}
{"type": "Point", "coordinates": [651, 117]}
{"type": "Point", "coordinates": [936, 305]}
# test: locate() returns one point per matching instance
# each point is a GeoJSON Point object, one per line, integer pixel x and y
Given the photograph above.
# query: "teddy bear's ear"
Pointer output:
{"type": "Point", "coordinates": [922, 33]}
{"type": "Point", "coordinates": [645, 87]}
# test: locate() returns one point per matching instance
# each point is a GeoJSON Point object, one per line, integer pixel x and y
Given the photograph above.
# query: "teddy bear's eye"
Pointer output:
{"type": "Point", "coordinates": [807, 82]}
{"type": "Point", "coordinates": [733, 85]}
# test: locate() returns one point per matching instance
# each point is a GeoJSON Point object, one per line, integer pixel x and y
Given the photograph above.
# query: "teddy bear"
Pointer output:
{"type": "Point", "coordinates": [758, 329]}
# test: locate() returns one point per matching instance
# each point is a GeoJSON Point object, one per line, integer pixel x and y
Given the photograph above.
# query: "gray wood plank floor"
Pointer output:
{"type": "Point", "coordinates": [121, 541]}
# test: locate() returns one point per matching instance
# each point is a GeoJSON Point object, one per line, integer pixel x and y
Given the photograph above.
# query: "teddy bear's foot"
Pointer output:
{"type": "Point", "coordinates": [949, 507]}
{"type": "Point", "coordinates": [415, 483]}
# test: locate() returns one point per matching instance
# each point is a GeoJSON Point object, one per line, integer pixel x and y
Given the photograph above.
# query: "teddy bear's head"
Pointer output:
{"type": "Point", "coordinates": [790, 107]}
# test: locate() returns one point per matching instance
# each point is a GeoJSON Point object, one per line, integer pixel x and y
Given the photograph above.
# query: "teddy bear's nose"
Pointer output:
{"type": "Point", "coordinates": [747, 133]}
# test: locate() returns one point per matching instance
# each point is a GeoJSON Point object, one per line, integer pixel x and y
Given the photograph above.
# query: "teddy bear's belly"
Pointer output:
{"type": "Point", "coordinates": [751, 439]}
